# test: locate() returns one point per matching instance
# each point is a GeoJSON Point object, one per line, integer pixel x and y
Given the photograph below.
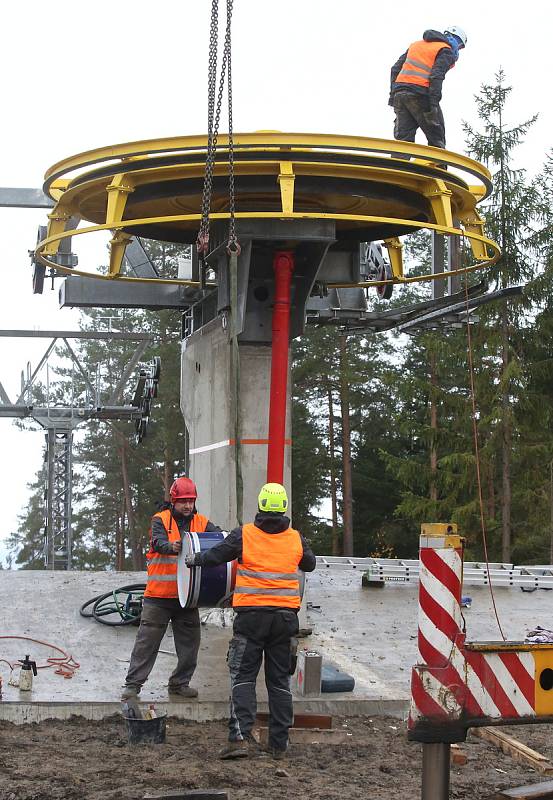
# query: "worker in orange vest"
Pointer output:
{"type": "Point", "coordinates": [266, 600]}
{"type": "Point", "coordinates": [416, 84]}
{"type": "Point", "coordinates": [161, 597]}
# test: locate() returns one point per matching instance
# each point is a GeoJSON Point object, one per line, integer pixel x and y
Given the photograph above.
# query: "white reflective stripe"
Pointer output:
{"type": "Point", "coordinates": [167, 578]}
{"type": "Point", "coordinates": [444, 645]}
{"type": "Point", "coordinates": [438, 590]}
{"type": "Point", "coordinates": [272, 576]}
{"type": "Point", "coordinates": [243, 683]}
{"type": "Point", "coordinates": [509, 685]}
{"type": "Point", "coordinates": [162, 559]}
{"type": "Point", "coordinates": [195, 450]}
{"type": "Point", "coordinates": [442, 696]}
{"type": "Point", "coordinates": [254, 590]}
{"type": "Point", "coordinates": [411, 72]}
{"type": "Point", "coordinates": [434, 636]}
{"type": "Point", "coordinates": [418, 64]}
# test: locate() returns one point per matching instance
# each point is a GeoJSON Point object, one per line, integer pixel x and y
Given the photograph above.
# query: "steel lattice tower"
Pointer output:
{"type": "Point", "coordinates": [57, 532]}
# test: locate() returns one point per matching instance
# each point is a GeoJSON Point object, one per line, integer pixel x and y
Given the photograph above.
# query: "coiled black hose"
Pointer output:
{"type": "Point", "coordinates": [129, 610]}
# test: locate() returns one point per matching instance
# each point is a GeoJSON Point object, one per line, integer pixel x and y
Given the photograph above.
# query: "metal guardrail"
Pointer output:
{"type": "Point", "coordinates": [475, 573]}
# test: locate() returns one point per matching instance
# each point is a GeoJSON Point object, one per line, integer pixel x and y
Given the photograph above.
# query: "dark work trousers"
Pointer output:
{"type": "Point", "coordinates": [259, 634]}
{"type": "Point", "coordinates": [186, 635]}
{"type": "Point", "coordinates": [413, 112]}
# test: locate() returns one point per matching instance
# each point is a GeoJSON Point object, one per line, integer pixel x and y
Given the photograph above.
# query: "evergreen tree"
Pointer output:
{"type": "Point", "coordinates": [122, 483]}
{"type": "Point", "coordinates": [439, 475]}
{"type": "Point", "coordinates": [339, 382]}
{"type": "Point", "coordinates": [510, 213]}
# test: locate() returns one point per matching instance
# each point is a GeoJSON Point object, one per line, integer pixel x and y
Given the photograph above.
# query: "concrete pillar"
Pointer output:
{"type": "Point", "coordinates": [206, 406]}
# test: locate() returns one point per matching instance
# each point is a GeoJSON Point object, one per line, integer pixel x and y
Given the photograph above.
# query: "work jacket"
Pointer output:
{"type": "Point", "coordinates": [268, 573]}
{"type": "Point", "coordinates": [423, 67]}
{"type": "Point", "coordinates": [162, 567]}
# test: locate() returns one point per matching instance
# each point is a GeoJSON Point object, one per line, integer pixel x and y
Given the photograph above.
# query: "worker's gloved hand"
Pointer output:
{"type": "Point", "coordinates": [177, 546]}
{"type": "Point", "coordinates": [391, 99]}
{"type": "Point", "coordinates": [190, 560]}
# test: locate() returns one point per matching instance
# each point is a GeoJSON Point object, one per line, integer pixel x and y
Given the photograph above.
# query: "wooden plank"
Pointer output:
{"type": "Point", "coordinates": [534, 791]}
{"type": "Point", "coordinates": [306, 735]}
{"type": "Point", "coordinates": [517, 750]}
{"type": "Point", "coordinates": [320, 721]}
{"type": "Point", "coordinates": [501, 735]}
{"type": "Point", "coordinates": [457, 756]}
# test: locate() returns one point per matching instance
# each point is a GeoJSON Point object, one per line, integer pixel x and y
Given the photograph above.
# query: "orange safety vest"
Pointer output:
{"type": "Point", "coordinates": [268, 573]}
{"type": "Point", "coordinates": [162, 567]}
{"type": "Point", "coordinates": [419, 62]}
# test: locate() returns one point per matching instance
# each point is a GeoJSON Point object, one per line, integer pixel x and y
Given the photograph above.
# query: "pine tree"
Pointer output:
{"type": "Point", "coordinates": [510, 212]}
{"type": "Point", "coordinates": [439, 475]}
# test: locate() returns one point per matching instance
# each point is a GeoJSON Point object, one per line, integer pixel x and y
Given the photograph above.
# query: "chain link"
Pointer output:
{"type": "Point", "coordinates": [203, 235]}
{"type": "Point", "coordinates": [233, 244]}
{"type": "Point", "coordinates": [214, 116]}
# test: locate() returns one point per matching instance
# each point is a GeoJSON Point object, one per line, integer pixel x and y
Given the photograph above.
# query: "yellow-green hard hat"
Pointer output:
{"type": "Point", "coordinates": [273, 497]}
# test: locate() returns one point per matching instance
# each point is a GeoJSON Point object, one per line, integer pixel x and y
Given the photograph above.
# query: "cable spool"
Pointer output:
{"type": "Point", "coordinates": [208, 587]}
{"type": "Point", "coordinates": [204, 587]}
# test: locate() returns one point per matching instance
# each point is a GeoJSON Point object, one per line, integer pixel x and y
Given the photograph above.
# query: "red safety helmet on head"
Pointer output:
{"type": "Point", "coordinates": [183, 489]}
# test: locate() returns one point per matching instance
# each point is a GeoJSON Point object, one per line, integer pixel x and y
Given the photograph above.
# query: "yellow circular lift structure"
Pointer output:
{"type": "Point", "coordinates": [305, 205]}
{"type": "Point", "coordinates": [371, 189]}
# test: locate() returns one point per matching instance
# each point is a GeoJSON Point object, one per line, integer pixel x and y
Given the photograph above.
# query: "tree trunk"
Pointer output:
{"type": "Point", "coordinates": [120, 537]}
{"type": "Point", "coordinates": [433, 428]}
{"type": "Point", "coordinates": [117, 542]}
{"type": "Point", "coordinates": [506, 445]}
{"type": "Point", "coordinates": [136, 550]}
{"type": "Point", "coordinates": [491, 491]}
{"type": "Point", "coordinates": [333, 498]}
{"type": "Point", "coordinates": [347, 504]}
{"type": "Point", "coordinates": [506, 427]}
{"type": "Point", "coordinates": [167, 474]}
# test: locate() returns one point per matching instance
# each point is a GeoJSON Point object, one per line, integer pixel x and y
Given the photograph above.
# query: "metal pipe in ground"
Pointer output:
{"type": "Point", "coordinates": [283, 265]}
{"type": "Point", "coordinates": [435, 771]}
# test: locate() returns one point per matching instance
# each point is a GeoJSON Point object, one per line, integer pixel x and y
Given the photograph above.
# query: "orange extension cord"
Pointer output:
{"type": "Point", "coordinates": [66, 666]}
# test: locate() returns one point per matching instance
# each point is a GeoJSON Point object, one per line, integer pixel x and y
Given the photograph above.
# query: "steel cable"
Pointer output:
{"type": "Point", "coordinates": [477, 458]}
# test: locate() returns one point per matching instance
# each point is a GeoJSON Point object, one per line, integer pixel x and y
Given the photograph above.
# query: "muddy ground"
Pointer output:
{"type": "Point", "coordinates": [83, 760]}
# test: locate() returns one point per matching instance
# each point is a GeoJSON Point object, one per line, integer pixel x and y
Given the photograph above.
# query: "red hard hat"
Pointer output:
{"type": "Point", "coordinates": [183, 489]}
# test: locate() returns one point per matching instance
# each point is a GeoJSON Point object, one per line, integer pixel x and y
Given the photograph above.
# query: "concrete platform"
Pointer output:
{"type": "Point", "coordinates": [369, 633]}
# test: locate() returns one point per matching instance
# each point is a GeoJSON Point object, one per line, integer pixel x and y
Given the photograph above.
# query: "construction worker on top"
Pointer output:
{"type": "Point", "coordinates": [416, 84]}
{"type": "Point", "coordinates": [161, 597]}
{"type": "Point", "coordinates": [266, 600]}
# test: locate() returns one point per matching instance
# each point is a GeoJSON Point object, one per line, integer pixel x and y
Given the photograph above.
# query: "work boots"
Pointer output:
{"type": "Point", "coordinates": [182, 691]}
{"type": "Point", "coordinates": [239, 749]}
{"type": "Point", "coordinates": [130, 692]}
{"type": "Point", "coordinates": [247, 746]}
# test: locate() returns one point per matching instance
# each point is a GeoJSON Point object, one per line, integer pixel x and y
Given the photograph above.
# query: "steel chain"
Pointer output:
{"type": "Point", "coordinates": [203, 235]}
{"type": "Point", "coordinates": [233, 244]}
{"type": "Point", "coordinates": [214, 116]}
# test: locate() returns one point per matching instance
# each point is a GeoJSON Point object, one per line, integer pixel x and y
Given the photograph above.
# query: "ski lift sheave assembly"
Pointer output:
{"type": "Point", "coordinates": [309, 212]}
{"type": "Point", "coordinates": [360, 189]}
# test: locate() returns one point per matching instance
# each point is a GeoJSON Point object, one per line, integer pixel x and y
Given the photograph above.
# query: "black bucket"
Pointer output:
{"type": "Point", "coordinates": [146, 731]}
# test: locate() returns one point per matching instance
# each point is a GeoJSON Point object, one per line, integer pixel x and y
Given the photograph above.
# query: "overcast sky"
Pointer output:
{"type": "Point", "coordinates": [81, 75]}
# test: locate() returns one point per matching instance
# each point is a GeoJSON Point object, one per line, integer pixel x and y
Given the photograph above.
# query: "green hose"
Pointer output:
{"type": "Point", "coordinates": [105, 605]}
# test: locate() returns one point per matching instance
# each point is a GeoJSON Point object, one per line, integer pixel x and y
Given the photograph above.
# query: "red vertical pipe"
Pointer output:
{"type": "Point", "coordinates": [283, 265]}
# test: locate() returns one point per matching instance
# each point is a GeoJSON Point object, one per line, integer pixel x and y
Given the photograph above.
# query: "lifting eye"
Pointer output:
{"type": "Point", "coordinates": [546, 679]}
